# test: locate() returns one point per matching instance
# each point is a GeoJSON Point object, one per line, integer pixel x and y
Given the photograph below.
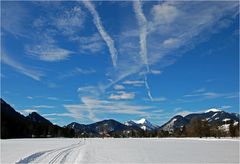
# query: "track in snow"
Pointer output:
{"type": "Point", "coordinates": [69, 154]}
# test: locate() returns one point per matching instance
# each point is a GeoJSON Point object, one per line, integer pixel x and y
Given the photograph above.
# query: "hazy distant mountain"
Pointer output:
{"type": "Point", "coordinates": [142, 123]}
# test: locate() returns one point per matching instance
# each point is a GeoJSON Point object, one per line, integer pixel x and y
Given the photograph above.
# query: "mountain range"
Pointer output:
{"type": "Point", "coordinates": [34, 125]}
{"type": "Point", "coordinates": [105, 128]}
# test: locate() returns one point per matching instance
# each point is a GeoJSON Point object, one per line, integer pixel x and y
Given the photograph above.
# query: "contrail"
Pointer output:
{"type": "Point", "coordinates": [142, 21]}
{"type": "Point", "coordinates": [147, 86]}
{"type": "Point", "coordinates": [101, 30]}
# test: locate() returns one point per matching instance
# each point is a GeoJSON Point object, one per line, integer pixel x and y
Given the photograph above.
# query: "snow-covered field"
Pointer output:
{"type": "Point", "coordinates": [151, 150]}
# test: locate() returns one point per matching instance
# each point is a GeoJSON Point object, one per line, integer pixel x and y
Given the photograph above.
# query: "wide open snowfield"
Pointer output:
{"type": "Point", "coordinates": [143, 150]}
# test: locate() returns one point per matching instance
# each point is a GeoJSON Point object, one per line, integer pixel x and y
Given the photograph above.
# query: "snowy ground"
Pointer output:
{"type": "Point", "coordinates": [153, 150]}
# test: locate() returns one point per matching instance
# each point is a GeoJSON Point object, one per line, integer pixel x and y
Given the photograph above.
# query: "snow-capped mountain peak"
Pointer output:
{"type": "Point", "coordinates": [212, 110]}
{"type": "Point", "coordinates": [142, 123]}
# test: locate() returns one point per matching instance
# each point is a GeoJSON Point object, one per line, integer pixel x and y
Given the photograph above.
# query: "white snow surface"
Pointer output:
{"type": "Point", "coordinates": [127, 150]}
{"type": "Point", "coordinates": [226, 119]}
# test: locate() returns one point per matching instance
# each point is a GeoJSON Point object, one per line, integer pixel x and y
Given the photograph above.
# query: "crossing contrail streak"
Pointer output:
{"type": "Point", "coordinates": [97, 21]}
{"type": "Point", "coordinates": [148, 88]}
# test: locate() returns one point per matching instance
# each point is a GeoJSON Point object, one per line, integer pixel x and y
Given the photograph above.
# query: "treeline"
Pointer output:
{"type": "Point", "coordinates": [32, 130]}
{"type": "Point", "coordinates": [23, 128]}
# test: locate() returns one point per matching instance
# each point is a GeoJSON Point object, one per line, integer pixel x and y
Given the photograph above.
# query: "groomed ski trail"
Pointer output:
{"type": "Point", "coordinates": [69, 154]}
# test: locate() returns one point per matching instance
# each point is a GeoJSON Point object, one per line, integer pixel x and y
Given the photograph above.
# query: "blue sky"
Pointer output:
{"type": "Point", "coordinates": [88, 61]}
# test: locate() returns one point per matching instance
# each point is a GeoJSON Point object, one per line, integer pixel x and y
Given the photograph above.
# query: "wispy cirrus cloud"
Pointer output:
{"type": "Point", "coordinates": [45, 28]}
{"type": "Point", "coordinates": [89, 90]}
{"type": "Point", "coordinates": [52, 98]}
{"type": "Point", "coordinates": [77, 71]}
{"type": "Point", "coordinates": [19, 67]}
{"type": "Point", "coordinates": [158, 99]}
{"type": "Point", "coordinates": [164, 14]}
{"type": "Point", "coordinates": [93, 43]}
{"type": "Point", "coordinates": [29, 97]}
{"type": "Point", "coordinates": [118, 87]}
{"type": "Point", "coordinates": [65, 20]}
{"type": "Point", "coordinates": [170, 25]}
{"type": "Point", "coordinates": [91, 107]}
{"type": "Point", "coordinates": [49, 53]}
{"type": "Point", "coordinates": [70, 21]}
{"type": "Point", "coordinates": [49, 26]}
{"type": "Point", "coordinates": [13, 18]}
{"type": "Point", "coordinates": [43, 106]}
{"type": "Point", "coordinates": [134, 82]}
{"type": "Point", "coordinates": [97, 21]}
{"type": "Point", "coordinates": [84, 71]}
{"type": "Point", "coordinates": [224, 107]}
{"type": "Point", "coordinates": [28, 111]}
{"type": "Point", "coordinates": [199, 90]}
{"type": "Point", "coordinates": [122, 95]}
{"type": "Point", "coordinates": [203, 94]}
{"type": "Point", "coordinates": [75, 115]}
{"type": "Point", "coordinates": [155, 72]}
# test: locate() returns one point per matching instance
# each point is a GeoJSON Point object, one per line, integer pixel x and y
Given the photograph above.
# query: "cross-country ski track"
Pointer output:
{"type": "Point", "coordinates": [68, 154]}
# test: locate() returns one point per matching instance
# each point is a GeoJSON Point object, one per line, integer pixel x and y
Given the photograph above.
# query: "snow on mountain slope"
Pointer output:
{"type": "Point", "coordinates": [169, 126]}
{"type": "Point", "coordinates": [176, 122]}
{"type": "Point", "coordinates": [224, 127]}
{"type": "Point", "coordinates": [212, 110]}
{"type": "Point", "coordinates": [130, 123]}
{"type": "Point", "coordinates": [141, 121]}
